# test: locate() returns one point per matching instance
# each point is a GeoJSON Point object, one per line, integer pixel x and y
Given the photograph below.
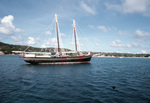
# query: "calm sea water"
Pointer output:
{"type": "Point", "coordinates": [82, 83]}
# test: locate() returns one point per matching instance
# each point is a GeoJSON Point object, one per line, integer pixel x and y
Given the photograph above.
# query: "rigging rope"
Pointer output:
{"type": "Point", "coordinates": [39, 35]}
{"type": "Point", "coordinates": [79, 37]}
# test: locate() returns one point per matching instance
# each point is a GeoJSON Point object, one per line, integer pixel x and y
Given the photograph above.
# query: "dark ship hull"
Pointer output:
{"type": "Point", "coordinates": [58, 60]}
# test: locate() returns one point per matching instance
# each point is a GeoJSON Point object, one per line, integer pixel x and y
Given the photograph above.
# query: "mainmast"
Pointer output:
{"type": "Point", "coordinates": [57, 32]}
{"type": "Point", "coordinates": [74, 31]}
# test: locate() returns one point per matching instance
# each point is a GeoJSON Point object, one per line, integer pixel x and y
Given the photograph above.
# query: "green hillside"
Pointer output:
{"type": "Point", "coordinates": [8, 48]}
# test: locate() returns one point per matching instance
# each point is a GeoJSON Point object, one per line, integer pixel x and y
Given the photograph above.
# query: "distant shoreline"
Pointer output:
{"type": "Point", "coordinates": [119, 57]}
{"type": "Point", "coordinates": [8, 49]}
{"type": "Point", "coordinates": [93, 56]}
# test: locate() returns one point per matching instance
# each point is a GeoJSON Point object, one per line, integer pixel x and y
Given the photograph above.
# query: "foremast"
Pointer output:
{"type": "Point", "coordinates": [74, 31]}
{"type": "Point", "coordinates": [57, 32]}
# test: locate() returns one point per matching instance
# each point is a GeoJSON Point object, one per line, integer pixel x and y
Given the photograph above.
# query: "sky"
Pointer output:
{"type": "Point", "coordinates": [121, 26]}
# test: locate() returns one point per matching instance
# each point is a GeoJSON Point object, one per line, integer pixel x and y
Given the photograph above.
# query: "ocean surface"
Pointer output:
{"type": "Point", "coordinates": [104, 80]}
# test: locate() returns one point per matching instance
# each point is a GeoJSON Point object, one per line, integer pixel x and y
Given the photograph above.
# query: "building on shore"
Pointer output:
{"type": "Point", "coordinates": [1, 53]}
{"type": "Point", "coordinates": [17, 52]}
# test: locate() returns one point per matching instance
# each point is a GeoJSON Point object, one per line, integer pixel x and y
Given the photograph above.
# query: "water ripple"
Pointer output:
{"type": "Point", "coordinates": [105, 80]}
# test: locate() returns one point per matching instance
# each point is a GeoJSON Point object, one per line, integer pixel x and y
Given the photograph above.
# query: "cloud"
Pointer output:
{"type": "Point", "coordinates": [62, 34]}
{"type": "Point", "coordinates": [97, 44]}
{"type": "Point", "coordinates": [32, 40]}
{"type": "Point", "coordinates": [135, 45]}
{"type": "Point", "coordinates": [122, 32]}
{"type": "Point", "coordinates": [103, 28]}
{"type": "Point", "coordinates": [142, 35]}
{"type": "Point", "coordinates": [18, 40]}
{"type": "Point", "coordinates": [48, 33]}
{"type": "Point", "coordinates": [106, 29]}
{"type": "Point", "coordinates": [7, 27]}
{"type": "Point", "coordinates": [113, 28]}
{"type": "Point", "coordinates": [131, 6]}
{"type": "Point", "coordinates": [85, 39]}
{"type": "Point", "coordinates": [91, 26]}
{"type": "Point", "coordinates": [117, 43]}
{"type": "Point", "coordinates": [143, 52]}
{"type": "Point", "coordinates": [87, 8]}
{"type": "Point", "coordinates": [50, 42]}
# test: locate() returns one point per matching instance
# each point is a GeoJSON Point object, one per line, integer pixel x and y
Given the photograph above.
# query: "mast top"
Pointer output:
{"type": "Point", "coordinates": [56, 17]}
{"type": "Point", "coordinates": [74, 23]}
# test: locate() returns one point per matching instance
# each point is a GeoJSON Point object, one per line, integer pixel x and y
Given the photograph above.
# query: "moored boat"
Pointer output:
{"type": "Point", "coordinates": [59, 57]}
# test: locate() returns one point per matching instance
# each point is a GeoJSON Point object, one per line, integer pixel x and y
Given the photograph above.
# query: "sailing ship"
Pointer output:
{"type": "Point", "coordinates": [69, 57]}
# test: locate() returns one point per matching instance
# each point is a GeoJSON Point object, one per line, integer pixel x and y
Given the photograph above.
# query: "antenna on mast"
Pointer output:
{"type": "Point", "coordinates": [74, 30]}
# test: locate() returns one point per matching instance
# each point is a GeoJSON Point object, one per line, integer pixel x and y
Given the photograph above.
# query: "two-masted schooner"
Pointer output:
{"type": "Point", "coordinates": [70, 57]}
